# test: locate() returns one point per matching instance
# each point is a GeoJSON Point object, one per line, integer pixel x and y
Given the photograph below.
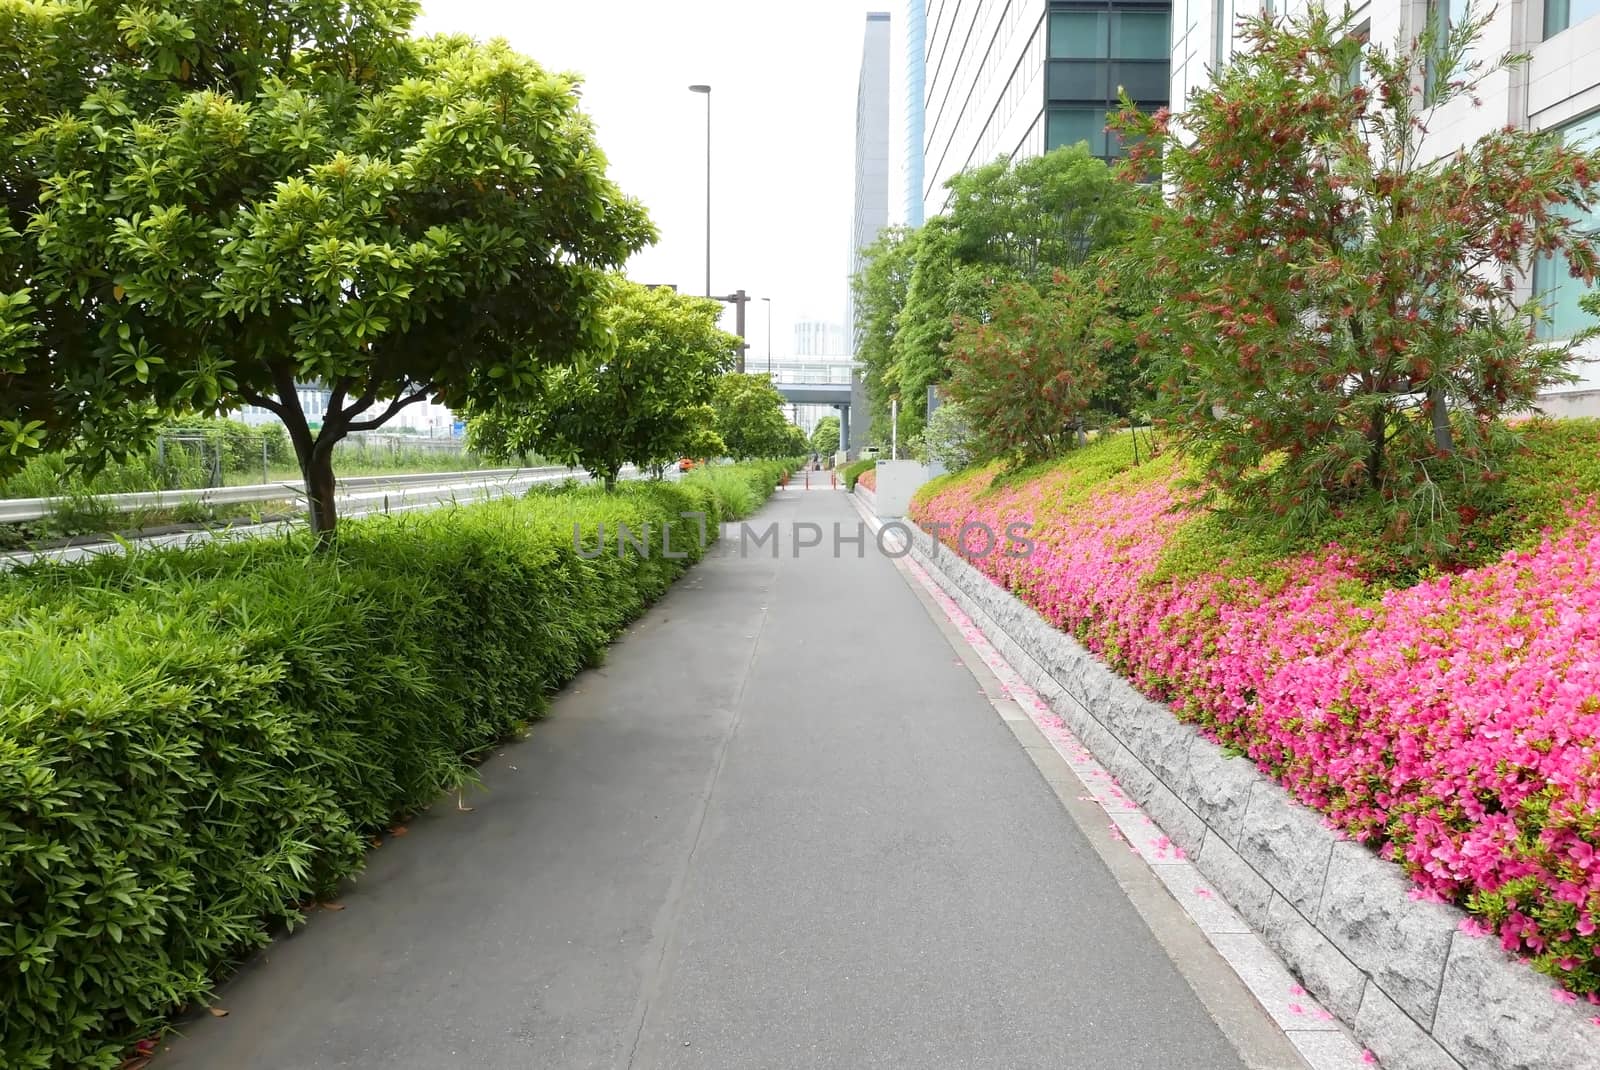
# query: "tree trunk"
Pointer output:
{"type": "Point", "coordinates": [1443, 437]}
{"type": "Point", "coordinates": [315, 453]}
{"type": "Point", "coordinates": [611, 481]}
{"type": "Point", "coordinates": [1375, 441]}
{"type": "Point", "coordinates": [320, 490]}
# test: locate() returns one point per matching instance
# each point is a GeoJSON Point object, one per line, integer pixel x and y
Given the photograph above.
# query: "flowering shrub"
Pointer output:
{"type": "Point", "coordinates": [1347, 301]}
{"type": "Point", "coordinates": [1451, 723]}
{"type": "Point", "coordinates": [869, 479]}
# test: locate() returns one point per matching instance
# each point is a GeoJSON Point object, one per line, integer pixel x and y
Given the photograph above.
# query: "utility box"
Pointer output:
{"type": "Point", "coordinates": [897, 482]}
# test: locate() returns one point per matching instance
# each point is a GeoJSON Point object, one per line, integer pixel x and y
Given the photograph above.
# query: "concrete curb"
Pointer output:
{"type": "Point", "coordinates": [1417, 990]}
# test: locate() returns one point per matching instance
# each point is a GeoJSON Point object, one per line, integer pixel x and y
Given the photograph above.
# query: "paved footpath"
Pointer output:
{"type": "Point", "coordinates": [782, 827]}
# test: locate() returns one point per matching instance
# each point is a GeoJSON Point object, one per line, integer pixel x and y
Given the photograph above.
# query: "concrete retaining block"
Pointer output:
{"type": "Point", "coordinates": [1368, 913]}
{"type": "Point", "coordinates": [1248, 891]}
{"type": "Point", "coordinates": [1397, 1041]}
{"type": "Point", "coordinates": [1218, 788]}
{"type": "Point", "coordinates": [1495, 1012]}
{"type": "Point", "coordinates": [1327, 973]}
{"type": "Point", "coordinates": [1287, 844]}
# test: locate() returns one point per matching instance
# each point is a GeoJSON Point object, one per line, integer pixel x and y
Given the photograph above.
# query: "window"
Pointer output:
{"type": "Point", "coordinates": [1068, 126]}
{"type": "Point", "coordinates": [1111, 35]}
{"type": "Point", "coordinates": [1078, 35]}
{"type": "Point", "coordinates": [1564, 14]}
{"type": "Point", "coordinates": [1356, 72]}
{"type": "Point", "coordinates": [1141, 35]}
{"type": "Point", "coordinates": [1441, 16]}
{"type": "Point", "coordinates": [1553, 283]}
{"type": "Point", "coordinates": [1223, 33]}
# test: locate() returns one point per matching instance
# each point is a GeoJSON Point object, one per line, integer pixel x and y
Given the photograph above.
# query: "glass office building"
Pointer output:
{"type": "Point", "coordinates": [1097, 50]}
{"type": "Point", "coordinates": [916, 55]}
{"type": "Point", "coordinates": [1014, 78]}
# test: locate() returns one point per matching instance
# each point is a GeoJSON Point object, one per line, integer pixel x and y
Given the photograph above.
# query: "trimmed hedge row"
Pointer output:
{"type": "Point", "coordinates": [853, 470]}
{"type": "Point", "coordinates": [193, 744]}
{"type": "Point", "coordinates": [741, 489]}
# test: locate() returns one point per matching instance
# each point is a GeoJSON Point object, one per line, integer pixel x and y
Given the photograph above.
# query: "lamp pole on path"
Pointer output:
{"type": "Point", "coordinates": [768, 300]}
{"type": "Point", "coordinates": [706, 90]}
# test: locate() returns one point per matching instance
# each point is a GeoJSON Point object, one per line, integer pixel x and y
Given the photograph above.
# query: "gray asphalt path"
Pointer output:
{"type": "Point", "coordinates": [780, 828]}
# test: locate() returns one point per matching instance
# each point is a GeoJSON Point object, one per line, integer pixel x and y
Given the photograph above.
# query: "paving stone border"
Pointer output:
{"type": "Point", "coordinates": [1417, 990]}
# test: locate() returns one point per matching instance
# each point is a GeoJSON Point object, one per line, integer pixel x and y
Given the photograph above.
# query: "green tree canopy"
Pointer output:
{"type": "Point", "coordinates": [880, 294]}
{"type": "Point", "coordinates": [750, 419]}
{"type": "Point", "coordinates": [215, 200]}
{"type": "Point", "coordinates": [1027, 373]}
{"type": "Point", "coordinates": [1342, 324]}
{"type": "Point", "coordinates": [825, 436]}
{"type": "Point", "coordinates": [1008, 222]}
{"type": "Point", "coordinates": [642, 398]}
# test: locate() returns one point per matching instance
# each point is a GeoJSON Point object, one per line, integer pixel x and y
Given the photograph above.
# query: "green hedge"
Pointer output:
{"type": "Point", "coordinates": [192, 743]}
{"type": "Point", "coordinates": [741, 488]}
{"type": "Point", "coordinates": [853, 470]}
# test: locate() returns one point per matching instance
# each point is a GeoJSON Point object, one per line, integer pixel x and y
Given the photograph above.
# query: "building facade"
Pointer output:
{"type": "Point", "coordinates": [1017, 78]}
{"type": "Point", "coordinates": [916, 88]}
{"type": "Point", "coordinates": [1558, 89]}
{"type": "Point", "coordinates": [872, 154]}
{"type": "Point", "coordinates": [819, 338]}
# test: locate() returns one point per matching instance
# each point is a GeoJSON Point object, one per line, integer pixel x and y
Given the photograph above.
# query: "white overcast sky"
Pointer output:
{"type": "Point", "coordinates": [783, 79]}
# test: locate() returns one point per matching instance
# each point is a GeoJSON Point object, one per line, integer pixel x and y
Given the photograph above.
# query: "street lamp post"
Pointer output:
{"type": "Point", "coordinates": [768, 301]}
{"type": "Point", "coordinates": [705, 89]}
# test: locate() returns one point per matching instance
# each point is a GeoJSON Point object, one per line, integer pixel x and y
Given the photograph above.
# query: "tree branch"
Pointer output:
{"type": "Point", "coordinates": [261, 401]}
{"type": "Point", "coordinates": [394, 408]}
{"type": "Point", "coordinates": [336, 397]}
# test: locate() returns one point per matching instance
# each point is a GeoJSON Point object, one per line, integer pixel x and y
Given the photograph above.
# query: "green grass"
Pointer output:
{"type": "Point", "coordinates": [1556, 467]}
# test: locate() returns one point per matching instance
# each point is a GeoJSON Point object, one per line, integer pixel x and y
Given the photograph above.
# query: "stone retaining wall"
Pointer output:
{"type": "Point", "coordinates": [1419, 992]}
{"type": "Point", "coordinates": [868, 498]}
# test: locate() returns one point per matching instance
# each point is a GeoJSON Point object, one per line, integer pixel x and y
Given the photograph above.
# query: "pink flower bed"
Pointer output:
{"type": "Point", "coordinates": [869, 479]}
{"type": "Point", "coordinates": [1451, 725]}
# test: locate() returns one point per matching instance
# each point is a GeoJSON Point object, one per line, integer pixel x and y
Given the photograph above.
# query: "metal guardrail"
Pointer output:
{"type": "Point", "coordinates": [382, 494]}
{"type": "Point", "coordinates": [22, 510]}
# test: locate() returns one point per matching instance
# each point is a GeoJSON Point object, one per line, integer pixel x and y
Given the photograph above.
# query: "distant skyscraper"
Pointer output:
{"type": "Point", "coordinates": [916, 91]}
{"type": "Point", "coordinates": [872, 153]}
{"type": "Point", "coordinates": [817, 338]}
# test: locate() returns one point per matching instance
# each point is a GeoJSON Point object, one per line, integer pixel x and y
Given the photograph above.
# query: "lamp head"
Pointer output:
{"type": "Point", "coordinates": [699, 89]}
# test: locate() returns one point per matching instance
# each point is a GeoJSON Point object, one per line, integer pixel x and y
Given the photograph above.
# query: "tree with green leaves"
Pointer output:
{"type": "Point", "coordinates": [1026, 374]}
{"type": "Point", "coordinates": [750, 419]}
{"type": "Point", "coordinates": [641, 398]}
{"type": "Point", "coordinates": [1024, 219]}
{"type": "Point", "coordinates": [825, 436]}
{"type": "Point", "coordinates": [880, 290]}
{"type": "Point", "coordinates": [1345, 325]}
{"type": "Point", "coordinates": [219, 201]}
{"type": "Point", "coordinates": [949, 438]}
{"type": "Point", "coordinates": [1008, 222]}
